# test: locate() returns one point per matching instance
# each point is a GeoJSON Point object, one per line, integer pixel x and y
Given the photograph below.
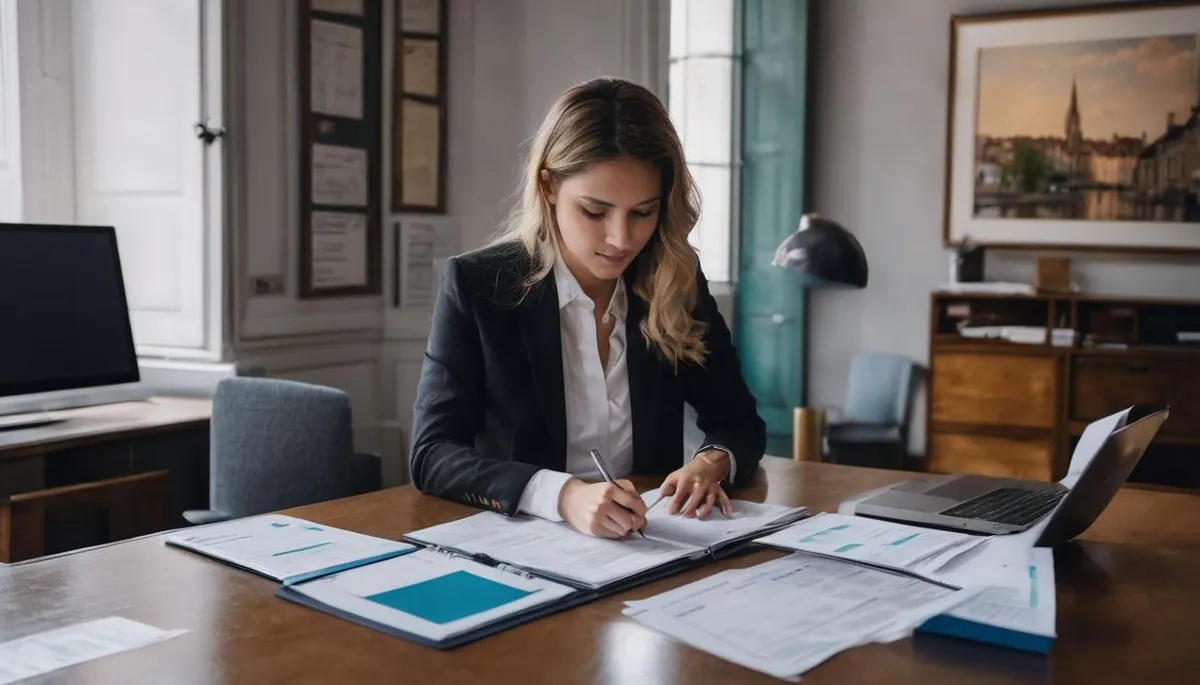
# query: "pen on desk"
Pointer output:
{"type": "Point", "coordinates": [602, 466]}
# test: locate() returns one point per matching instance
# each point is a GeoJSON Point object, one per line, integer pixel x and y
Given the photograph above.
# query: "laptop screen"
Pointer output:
{"type": "Point", "coordinates": [65, 321]}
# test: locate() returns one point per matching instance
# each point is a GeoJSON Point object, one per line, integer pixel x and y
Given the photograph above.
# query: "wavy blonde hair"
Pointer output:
{"type": "Point", "coordinates": [604, 119]}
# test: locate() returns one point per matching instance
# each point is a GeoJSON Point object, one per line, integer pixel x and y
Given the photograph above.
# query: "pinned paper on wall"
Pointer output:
{"type": "Point", "coordinates": [424, 246]}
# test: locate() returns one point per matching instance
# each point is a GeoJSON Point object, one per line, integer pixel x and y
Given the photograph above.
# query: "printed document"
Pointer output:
{"type": "Point", "coordinates": [284, 548]}
{"type": "Point", "coordinates": [553, 549]}
{"type": "Point", "coordinates": [878, 543]}
{"type": "Point", "coordinates": [48, 651]}
{"type": "Point", "coordinates": [749, 519]}
{"type": "Point", "coordinates": [1029, 609]}
{"type": "Point", "coordinates": [786, 616]}
{"type": "Point", "coordinates": [432, 594]}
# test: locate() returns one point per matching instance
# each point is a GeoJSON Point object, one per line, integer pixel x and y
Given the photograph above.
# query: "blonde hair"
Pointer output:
{"type": "Point", "coordinates": [604, 119]}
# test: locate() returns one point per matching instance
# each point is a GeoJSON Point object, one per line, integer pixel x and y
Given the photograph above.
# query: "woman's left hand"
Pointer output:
{"type": "Point", "coordinates": [696, 488]}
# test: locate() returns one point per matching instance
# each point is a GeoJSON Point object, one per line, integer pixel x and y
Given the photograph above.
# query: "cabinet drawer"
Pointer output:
{"type": "Point", "coordinates": [991, 455]}
{"type": "Point", "coordinates": [994, 389]}
{"type": "Point", "coordinates": [1103, 385]}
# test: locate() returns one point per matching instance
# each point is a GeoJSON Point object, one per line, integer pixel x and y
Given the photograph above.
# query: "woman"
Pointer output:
{"type": "Point", "coordinates": [586, 325]}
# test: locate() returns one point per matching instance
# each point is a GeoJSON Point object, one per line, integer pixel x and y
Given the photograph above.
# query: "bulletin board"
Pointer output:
{"type": "Point", "coordinates": [419, 107]}
{"type": "Point", "coordinates": [340, 160]}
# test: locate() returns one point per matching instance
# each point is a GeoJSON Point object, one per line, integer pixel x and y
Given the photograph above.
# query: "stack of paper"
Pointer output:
{"type": "Point", "coordinates": [286, 549]}
{"type": "Point", "coordinates": [919, 551]}
{"type": "Point", "coordinates": [556, 551]}
{"type": "Point", "coordinates": [1018, 617]}
{"type": "Point", "coordinates": [786, 616]}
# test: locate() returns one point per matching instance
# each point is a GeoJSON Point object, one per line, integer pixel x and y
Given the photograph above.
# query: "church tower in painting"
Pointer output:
{"type": "Point", "coordinates": [1074, 135]}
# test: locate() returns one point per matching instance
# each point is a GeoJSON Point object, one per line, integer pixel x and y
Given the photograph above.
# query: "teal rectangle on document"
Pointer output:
{"type": "Point", "coordinates": [450, 597]}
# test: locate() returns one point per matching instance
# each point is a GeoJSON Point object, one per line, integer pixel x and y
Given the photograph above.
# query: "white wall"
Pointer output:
{"type": "Point", "coordinates": [879, 145]}
{"type": "Point", "coordinates": [508, 59]}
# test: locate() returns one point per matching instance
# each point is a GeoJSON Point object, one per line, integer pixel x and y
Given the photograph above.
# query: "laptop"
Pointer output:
{"type": "Point", "coordinates": [995, 505]}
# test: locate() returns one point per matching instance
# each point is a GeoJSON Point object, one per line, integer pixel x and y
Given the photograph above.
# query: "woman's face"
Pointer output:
{"type": "Point", "coordinates": [606, 215]}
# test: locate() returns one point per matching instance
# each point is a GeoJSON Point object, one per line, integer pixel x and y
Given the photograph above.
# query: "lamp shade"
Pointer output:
{"type": "Point", "coordinates": [822, 254]}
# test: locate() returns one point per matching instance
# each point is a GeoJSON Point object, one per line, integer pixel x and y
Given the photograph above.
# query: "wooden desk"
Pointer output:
{"type": "Point", "coordinates": [99, 450]}
{"type": "Point", "coordinates": [1128, 609]}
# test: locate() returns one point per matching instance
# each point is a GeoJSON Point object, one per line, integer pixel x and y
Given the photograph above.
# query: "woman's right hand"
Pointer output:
{"type": "Point", "coordinates": [607, 510]}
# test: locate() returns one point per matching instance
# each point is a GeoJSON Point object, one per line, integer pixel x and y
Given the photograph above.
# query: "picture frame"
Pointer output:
{"type": "Point", "coordinates": [1075, 129]}
{"type": "Point", "coordinates": [341, 156]}
{"type": "Point", "coordinates": [419, 102]}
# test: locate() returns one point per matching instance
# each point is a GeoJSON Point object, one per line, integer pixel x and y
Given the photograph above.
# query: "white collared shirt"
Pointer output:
{"type": "Point", "coordinates": [597, 397]}
{"type": "Point", "coordinates": [599, 414]}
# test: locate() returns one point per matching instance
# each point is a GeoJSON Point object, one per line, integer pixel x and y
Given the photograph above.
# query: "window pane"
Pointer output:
{"type": "Point", "coordinates": [708, 99]}
{"type": "Point", "coordinates": [709, 26]}
{"type": "Point", "coordinates": [676, 103]}
{"type": "Point", "coordinates": [679, 18]}
{"type": "Point", "coordinates": [711, 237]}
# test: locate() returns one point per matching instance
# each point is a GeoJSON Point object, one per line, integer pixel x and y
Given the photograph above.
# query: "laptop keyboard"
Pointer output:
{"type": "Point", "coordinates": [1012, 506]}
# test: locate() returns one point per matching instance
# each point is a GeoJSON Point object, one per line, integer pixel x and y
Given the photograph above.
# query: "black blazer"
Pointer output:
{"type": "Point", "coordinates": [491, 408]}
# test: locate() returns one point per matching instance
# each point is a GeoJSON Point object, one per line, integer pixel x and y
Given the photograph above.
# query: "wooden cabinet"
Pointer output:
{"type": "Point", "coordinates": [1013, 379]}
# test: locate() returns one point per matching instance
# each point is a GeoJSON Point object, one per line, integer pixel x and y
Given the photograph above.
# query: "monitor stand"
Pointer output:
{"type": "Point", "coordinates": [16, 421]}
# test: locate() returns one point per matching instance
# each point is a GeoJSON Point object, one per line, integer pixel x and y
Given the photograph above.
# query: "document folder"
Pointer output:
{"type": "Point", "coordinates": [435, 599]}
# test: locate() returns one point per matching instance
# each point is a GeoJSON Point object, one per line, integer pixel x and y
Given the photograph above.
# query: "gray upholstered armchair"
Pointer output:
{"type": "Point", "coordinates": [278, 444]}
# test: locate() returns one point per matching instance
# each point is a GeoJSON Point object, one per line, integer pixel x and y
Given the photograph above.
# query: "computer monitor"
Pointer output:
{"type": "Point", "coordinates": [65, 334]}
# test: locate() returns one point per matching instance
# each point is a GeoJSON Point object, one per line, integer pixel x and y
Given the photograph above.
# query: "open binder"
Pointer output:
{"type": "Point", "coordinates": [485, 573]}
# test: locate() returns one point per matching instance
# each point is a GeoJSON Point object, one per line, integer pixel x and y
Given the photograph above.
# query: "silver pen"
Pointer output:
{"type": "Point", "coordinates": [602, 466]}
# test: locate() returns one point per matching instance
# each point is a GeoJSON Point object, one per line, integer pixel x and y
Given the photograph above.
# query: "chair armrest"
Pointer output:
{"type": "Point", "coordinates": [367, 471]}
{"type": "Point", "coordinates": [199, 517]}
{"type": "Point", "coordinates": [863, 432]}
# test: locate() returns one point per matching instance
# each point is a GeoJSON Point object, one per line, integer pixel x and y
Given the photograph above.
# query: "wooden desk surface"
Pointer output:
{"type": "Point", "coordinates": [121, 420]}
{"type": "Point", "coordinates": [1128, 610]}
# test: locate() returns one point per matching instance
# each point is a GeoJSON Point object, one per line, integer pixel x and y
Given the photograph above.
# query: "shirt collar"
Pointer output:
{"type": "Point", "coordinates": [569, 290]}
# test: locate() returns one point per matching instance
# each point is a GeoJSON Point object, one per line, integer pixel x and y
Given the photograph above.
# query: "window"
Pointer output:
{"type": "Point", "coordinates": [701, 100]}
{"type": "Point", "coordinates": [96, 128]}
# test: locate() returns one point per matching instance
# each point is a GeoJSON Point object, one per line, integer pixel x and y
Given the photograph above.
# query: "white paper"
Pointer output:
{"type": "Point", "coordinates": [419, 16]}
{"type": "Point", "coordinates": [421, 67]}
{"type": "Point", "coordinates": [748, 518]}
{"type": "Point", "coordinates": [339, 6]}
{"type": "Point", "coordinates": [1089, 444]}
{"type": "Point", "coordinates": [553, 548]}
{"type": "Point", "coordinates": [425, 245]}
{"type": "Point", "coordinates": [339, 175]}
{"type": "Point", "coordinates": [1028, 608]}
{"type": "Point", "coordinates": [284, 548]}
{"type": "Point", "coordinates": [337, 69]}
{"type": "Point", "coordinates": [48, 651]}
{"type": "Point", "coordinates": [786, 616]}
{"type": "Point", "coordinates": [870, 541]}
{"type": "Point", "coordinates": [339, 249]}
{"type": "Point", "coordinates": [421, 153]}
{"type": "Point", "coordinates": [352, 591]}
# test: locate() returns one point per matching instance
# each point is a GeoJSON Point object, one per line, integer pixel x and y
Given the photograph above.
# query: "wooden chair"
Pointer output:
{"type": "Point", "coordinates": [129, 505]}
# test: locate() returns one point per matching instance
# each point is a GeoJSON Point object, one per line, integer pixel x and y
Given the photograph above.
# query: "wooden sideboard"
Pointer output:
{"type": "Point", "coordinates": [1015, 408]}
{"type": "Point", "coordinates": [104, 473]}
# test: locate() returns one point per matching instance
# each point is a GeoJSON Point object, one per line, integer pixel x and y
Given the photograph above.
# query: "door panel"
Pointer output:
{"type": "Point", "coordinates": [770, 307]}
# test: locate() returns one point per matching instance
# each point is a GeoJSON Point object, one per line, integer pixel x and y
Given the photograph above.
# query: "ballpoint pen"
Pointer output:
{"type": "Point", "coordinates": [607, 473]}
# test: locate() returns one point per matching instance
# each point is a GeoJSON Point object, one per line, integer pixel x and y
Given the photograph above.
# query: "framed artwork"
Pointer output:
{"type": "Point", "coordinates": [419, 107]}
{"type": "Point", "coordinates": [1076, 129]}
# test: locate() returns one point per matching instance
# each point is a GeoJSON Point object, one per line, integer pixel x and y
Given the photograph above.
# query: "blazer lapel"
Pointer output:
{"type": "Point", "coordinates": [539, 320]}
{"type": "Point", "coordinates": [644, 378]}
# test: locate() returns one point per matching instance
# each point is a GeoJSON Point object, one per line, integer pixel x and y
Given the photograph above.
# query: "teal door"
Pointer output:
{"type": "Point", "coordinates": [769, 307]}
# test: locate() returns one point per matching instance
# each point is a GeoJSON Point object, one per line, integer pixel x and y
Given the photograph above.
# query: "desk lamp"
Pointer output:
{"type": "Point", "coordinates": [821, 254]}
